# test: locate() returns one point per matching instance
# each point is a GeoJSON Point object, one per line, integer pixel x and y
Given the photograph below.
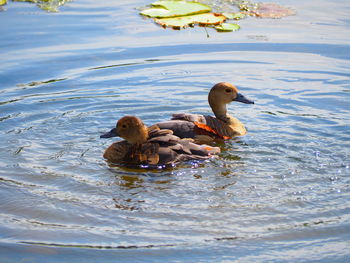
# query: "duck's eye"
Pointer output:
{"type": "Point", "coordinates": [124, 126]}
{"type": "Point", "coordinates": [228, 90]}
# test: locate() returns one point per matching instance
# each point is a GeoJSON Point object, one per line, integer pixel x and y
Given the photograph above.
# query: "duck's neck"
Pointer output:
{"type": "Point", "coordinates": [140, 140]}
{"type": "Point", "coordinates": [220, 112]}
{"type": "Point", "coordinates": [234, 125]}
{"type": "Point", "coordinates": [143, 137]}
{"type": "Point", "coordinates": [138, 136]}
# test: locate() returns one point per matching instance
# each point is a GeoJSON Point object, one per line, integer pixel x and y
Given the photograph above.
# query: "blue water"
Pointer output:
{"type": "Point", "coordinates": [278, 194]}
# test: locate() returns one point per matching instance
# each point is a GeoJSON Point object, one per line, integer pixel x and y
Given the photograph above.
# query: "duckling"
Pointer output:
{"type": "Point", "coordinates": [152, 146]}
{"type": "Point", "coordinates": [204, 128]}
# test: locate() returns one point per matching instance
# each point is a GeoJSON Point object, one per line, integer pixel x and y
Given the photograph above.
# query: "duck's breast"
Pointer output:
{"type": "Point", "coordinates": [117, 152]}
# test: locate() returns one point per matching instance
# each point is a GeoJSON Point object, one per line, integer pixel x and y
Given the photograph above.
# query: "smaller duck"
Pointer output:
{"type": "Point", "coordinates": [204, 128]}
{"type": "Point", "coordinates": [151, 146]}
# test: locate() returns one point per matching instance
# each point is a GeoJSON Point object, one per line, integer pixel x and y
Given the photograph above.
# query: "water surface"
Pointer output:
{"type": "Point", "coordinates": [280, 193]}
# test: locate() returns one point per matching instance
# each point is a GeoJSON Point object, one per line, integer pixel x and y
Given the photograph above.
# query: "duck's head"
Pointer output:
{"type": "Point", "coordinates": [130, 128]}
{"type": "Point", "coordinates": [224, 93]}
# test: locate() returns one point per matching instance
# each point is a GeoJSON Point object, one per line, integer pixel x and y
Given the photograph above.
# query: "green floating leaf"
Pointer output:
{"type": "Point", "coordinates": [3, 2]}
{"type": "Point", "coordinates": [236, 16]}
{"type": "Point", "coordinates": [163, 9]}
{"type": "Point", "coordinates": [183, 21]}
{"type": "Point", "coordinates": [227, 27]}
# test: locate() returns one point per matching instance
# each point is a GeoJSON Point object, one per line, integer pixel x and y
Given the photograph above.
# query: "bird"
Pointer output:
{"type": "Point", "coordinates": [152, 147]}
{"type": "Point", "coordinates": [205, 128]}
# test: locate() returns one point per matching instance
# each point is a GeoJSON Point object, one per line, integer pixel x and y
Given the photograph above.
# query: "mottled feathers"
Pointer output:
{"type": "Point", "coordinates": [162, 147]}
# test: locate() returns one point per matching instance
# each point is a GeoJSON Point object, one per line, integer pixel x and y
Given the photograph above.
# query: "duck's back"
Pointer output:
{"type": "Point", "coordinates": [172, 149]}
{"type": "Point", "coordinates": [187, 125]}
{"type": "Point", "coordinates": [162, 148]}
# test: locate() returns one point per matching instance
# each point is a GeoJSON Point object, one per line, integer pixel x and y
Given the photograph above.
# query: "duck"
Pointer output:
{"type": "Point", "coordinates": [205, 128]}
{"type": "Point", "coordinates": [152, 147]}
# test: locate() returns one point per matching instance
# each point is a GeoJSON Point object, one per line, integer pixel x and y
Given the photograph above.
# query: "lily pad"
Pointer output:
{"type": "Point", "coordinates": [184, 21]}
{"type": "Point", "coordinates": [3, 2]}
{"type": "Point", "coordinates": [227, 27]}
{"type": "Point", "coordinates": [174, 8]}
{"type": "Point", "coordinates": [181, 13]}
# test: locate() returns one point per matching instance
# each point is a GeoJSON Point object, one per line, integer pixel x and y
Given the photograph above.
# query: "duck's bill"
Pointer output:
{"type": "Point", "coordinates": [243, 99]}
{"type": "Point", "coordinates": [111, 133]}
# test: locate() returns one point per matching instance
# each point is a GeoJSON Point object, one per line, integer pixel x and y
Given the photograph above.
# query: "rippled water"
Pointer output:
{"type": "Point", "coordinates": [281, 193]}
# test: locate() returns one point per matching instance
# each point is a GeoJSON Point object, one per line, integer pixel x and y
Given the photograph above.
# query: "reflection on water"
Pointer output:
{"type": "Point", "coordinates": [279, 193]}
{"type": "Point", "coordinates": [47, 5]}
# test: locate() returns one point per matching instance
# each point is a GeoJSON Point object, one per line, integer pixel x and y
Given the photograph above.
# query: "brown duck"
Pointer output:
{"type": "Point", "coordinates": [204, 128]}
{"type": "Point", "coordinates": [151, 147]}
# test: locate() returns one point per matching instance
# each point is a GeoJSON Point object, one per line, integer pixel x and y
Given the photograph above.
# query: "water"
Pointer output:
{"type": "Point", "coordinates": [281, 193]}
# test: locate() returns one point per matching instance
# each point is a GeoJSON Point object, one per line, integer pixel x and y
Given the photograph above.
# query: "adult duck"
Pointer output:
{"type": "Point", "coordinates": [204, 128]}
{"type": "Point", "coordinates": [151, 146]}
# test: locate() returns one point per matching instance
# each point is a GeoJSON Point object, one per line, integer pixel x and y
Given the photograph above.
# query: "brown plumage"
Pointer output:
{"type": "Point", "coordinates": [205, 129]}
{"type": "Point", "coordinates": [152, 147]}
